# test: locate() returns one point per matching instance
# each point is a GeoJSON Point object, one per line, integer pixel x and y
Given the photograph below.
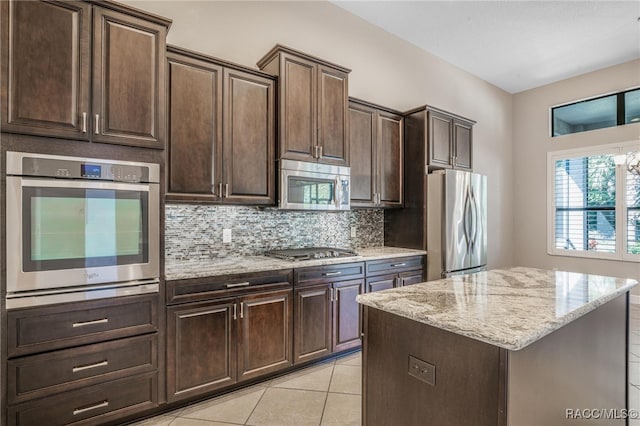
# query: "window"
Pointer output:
{"type": "Point", "coordinates": [604, 111]}
{"type": "Point", "coordinates": [594, 204]}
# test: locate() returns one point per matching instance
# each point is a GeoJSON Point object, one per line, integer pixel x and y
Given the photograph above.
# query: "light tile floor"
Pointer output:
{"type": "Point", "coordinates": [321, 395]}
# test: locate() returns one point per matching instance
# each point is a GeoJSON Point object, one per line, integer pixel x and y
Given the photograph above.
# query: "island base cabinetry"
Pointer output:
{"type": "Point", "coordinates": [579, 366]}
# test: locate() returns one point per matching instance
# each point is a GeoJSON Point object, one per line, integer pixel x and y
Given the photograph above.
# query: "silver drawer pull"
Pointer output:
{"type": "Point", "coordinates": [89, 366]}
{"type": "Point", "coordinates": [92, 407]}
{"type": "Point", "coordinates": [97, 129]}
{"type": "Point", "coordinates": [83, 323]}
{"type": "Point", "coordinates": [331, 274]}
{"type": "Point", "coordinates": [238, 285]}
{"type": "Point", "coordinates": [395, 265]}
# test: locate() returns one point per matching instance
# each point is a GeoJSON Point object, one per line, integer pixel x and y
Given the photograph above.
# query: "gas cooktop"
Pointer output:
{"type": "Point", "coordinates": [308, 253]}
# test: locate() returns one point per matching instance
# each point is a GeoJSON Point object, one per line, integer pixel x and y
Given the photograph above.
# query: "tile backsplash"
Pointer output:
{"type": "Point", "coordinates": [195, 231]}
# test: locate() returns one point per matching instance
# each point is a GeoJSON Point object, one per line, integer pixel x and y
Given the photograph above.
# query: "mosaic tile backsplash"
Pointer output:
{"type": "Point", "coordinates": [195, 231]}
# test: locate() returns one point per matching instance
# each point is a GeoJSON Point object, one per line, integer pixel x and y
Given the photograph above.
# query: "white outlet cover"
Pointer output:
{"type": "Point", "coordinates": [226, 236]}
{"type": "Point", "coordinates": [353, 232]}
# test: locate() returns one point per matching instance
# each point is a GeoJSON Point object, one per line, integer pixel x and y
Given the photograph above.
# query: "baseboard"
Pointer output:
{"type": "Point", "coordinates": [634, 299]}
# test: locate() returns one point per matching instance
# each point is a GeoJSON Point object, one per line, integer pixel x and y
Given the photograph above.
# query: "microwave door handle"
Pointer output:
{"type": "Point", "coordinates": [337, 192]}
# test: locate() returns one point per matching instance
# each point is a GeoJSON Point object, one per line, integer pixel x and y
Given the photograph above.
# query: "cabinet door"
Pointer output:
{"type": "Point", "coordinates": [362, 154]}
{"type": "Point", "coordinates": [333, 132]}
{"type": "Point", "coordinates": [201, 348]}
{"type": "Point", "coordinates": [248, 142]}
{"type": "Point", "coordinates": [128, 80]}
{"type": "Point", "coordinates": [195, 129]}
{"type": "Point", "coordinates": [45, 68]}
{"type": "Point", "coordinates": [381, 283]}
{"type": "Point", "coordinates": [440, 139]}
{"type": "Point", "coordinates": [264, 333]}
{"type": "Point", "coordinates": [462, 138]}
{"type": "Point", "coordinates": [409, 278]}
{"type": "Point", "coordinates": [312, 322]}
{"type": "Point", "coordinates": [346, 314]}
{"type": "Point", "coordinates": [298, 113]}
{"type": "Point", "coordinates": [390, 159]}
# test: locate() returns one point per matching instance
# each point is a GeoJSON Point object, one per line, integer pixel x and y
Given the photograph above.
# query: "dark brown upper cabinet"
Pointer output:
{"type": "Point", "coordinates": [376, 152]}
{"type": "Point", "coordinates": [50, 88]}
{"type": "Point", "coordinates": [448, 137]}
{"type": "Point", "coordinates": [313, 108]}
{"type": "Point", "coordinates": [221, 131]}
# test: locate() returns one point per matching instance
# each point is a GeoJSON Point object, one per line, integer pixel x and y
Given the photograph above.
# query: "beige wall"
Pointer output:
{"type": "Point", "coordinates": [531, 142]}
{"type": "Point", "coordinates": [385, 70]}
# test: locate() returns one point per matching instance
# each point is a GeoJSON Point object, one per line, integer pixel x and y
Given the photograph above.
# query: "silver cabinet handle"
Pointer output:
{"type": "Point", "coordinates": [92, 407]}
{"type": "Point", "coordinates": [93, 322]}
{"type": "Point", "coordinates": [226, 190]}
{"type": "Point", "coordinates": [234, 285]}
{"type": "Point", "coordinates": [241, 309]}
{"type": "Point", "coordinates": [220, 190]}
{"type": "Point", "coordinates": [320, 155]}
{"type": "Point", "coordinates": [235, 311]}
{"type": "Point", "coordinates": [90, 366]}
{"type": "Point", "coordinates": [331, 274]}
{"type": "Point", "coordinates": [97, 129]}
{"type": "Point", "coordinates": [315, 151]}
{"type": "Point", "coordinates": [84, 122]}
{"type": "Point", "coordinates": [332, 295]}
{"type": "Point", "coordinates": [395, 265]}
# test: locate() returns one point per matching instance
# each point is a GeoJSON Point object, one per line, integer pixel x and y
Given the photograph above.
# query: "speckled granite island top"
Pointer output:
{"type": "Point", "coordinates": [509, 308]}
{"type": "Point", "coordinates": [198, 268]}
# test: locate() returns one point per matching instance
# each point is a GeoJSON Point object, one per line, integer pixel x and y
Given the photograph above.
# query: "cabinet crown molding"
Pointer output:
{"type": "Point", "coordinates": [279, 48]}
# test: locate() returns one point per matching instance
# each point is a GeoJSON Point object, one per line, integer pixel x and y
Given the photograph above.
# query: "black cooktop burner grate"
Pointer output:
{"type": "Point", "coordinates": [308, 253]}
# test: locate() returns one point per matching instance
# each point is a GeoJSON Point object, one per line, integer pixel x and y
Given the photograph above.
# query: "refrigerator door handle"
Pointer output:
{"type": "Point", "coordinates": [474, 220]}
{"type": "Point", "coordinates": [466, 219]}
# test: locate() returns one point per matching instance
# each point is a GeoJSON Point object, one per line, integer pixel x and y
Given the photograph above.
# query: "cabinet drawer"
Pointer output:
{"type": "Point", "coordinates": [329, 273]}
{"type": "Point", "coordinates": [397, 264]}
{"type": "Point", "coordinates": [91, 405]}
{"type": "Point", "coordinates": [40, 375]}
{"type": "Point", "coordinates": [54, 327]}
{"type": "Point", "coordinates": [193, 290]}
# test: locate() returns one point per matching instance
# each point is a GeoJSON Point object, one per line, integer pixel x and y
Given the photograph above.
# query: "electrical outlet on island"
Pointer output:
{"type": "Point", "coordinates": [226, 236]}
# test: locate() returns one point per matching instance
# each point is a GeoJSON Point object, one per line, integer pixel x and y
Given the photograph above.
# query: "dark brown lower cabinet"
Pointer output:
{"type": "Point", "coordinates": [89, 362]}
{"type": "Point", "coordinates": [383, 282]}
{"type": "Point", "coordinates": [346, 314]}
{"type": "Point", "coordinates": [201, 349]}
{"type": "Point", "coordinates": [327, 319]}
{"type": "Point", "coordinates": [214, 344]}
{"type": "Point", "coordinates": [94, 405]}
{"type": "Point", "coordinates": [397, 272]}
{"type": "Point", "coordinates": [312, 322]}
{"type": "Point", "coordinates": [409, 278]}
{"type": "Point", "coordinates": [264, 333]}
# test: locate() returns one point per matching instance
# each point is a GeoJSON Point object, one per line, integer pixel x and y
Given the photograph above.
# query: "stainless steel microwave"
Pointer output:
{"type": "Point", "coordinates": [314, 186]}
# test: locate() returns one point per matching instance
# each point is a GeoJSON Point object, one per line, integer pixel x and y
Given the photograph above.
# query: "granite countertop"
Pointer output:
{"type": "Point", "coordinates": [509, 308]}
{"type": "Point", "coordinates": [198, 268]}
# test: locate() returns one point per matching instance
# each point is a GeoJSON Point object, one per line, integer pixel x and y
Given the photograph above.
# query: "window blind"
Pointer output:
{"type": "Point", "coordinates": [585, 204]}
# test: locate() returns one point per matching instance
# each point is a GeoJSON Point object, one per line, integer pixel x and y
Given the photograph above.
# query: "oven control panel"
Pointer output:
{"type": "Point", "coordinates": [71, 168]}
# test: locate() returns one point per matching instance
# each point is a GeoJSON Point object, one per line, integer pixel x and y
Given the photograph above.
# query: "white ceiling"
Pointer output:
{"type": "Point", "coordinates": [515, 45]}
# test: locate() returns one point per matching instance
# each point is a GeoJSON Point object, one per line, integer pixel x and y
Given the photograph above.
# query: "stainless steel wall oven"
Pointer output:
{"type": "Point", "coordinates": [80, 228]}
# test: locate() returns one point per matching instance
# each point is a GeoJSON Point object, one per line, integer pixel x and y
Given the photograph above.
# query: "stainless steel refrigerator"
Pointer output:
{"type": "Point", "coordinates": [456, 223]}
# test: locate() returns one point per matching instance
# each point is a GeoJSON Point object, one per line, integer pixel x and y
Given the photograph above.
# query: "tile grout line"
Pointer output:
{"type": "Point", "coordinates": [326, 395]}
{"type": "Point", "coordinates": [255, 406]}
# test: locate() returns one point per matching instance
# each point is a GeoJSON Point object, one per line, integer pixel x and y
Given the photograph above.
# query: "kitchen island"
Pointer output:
{"type": "Point", "coordinates": [516, 347]}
